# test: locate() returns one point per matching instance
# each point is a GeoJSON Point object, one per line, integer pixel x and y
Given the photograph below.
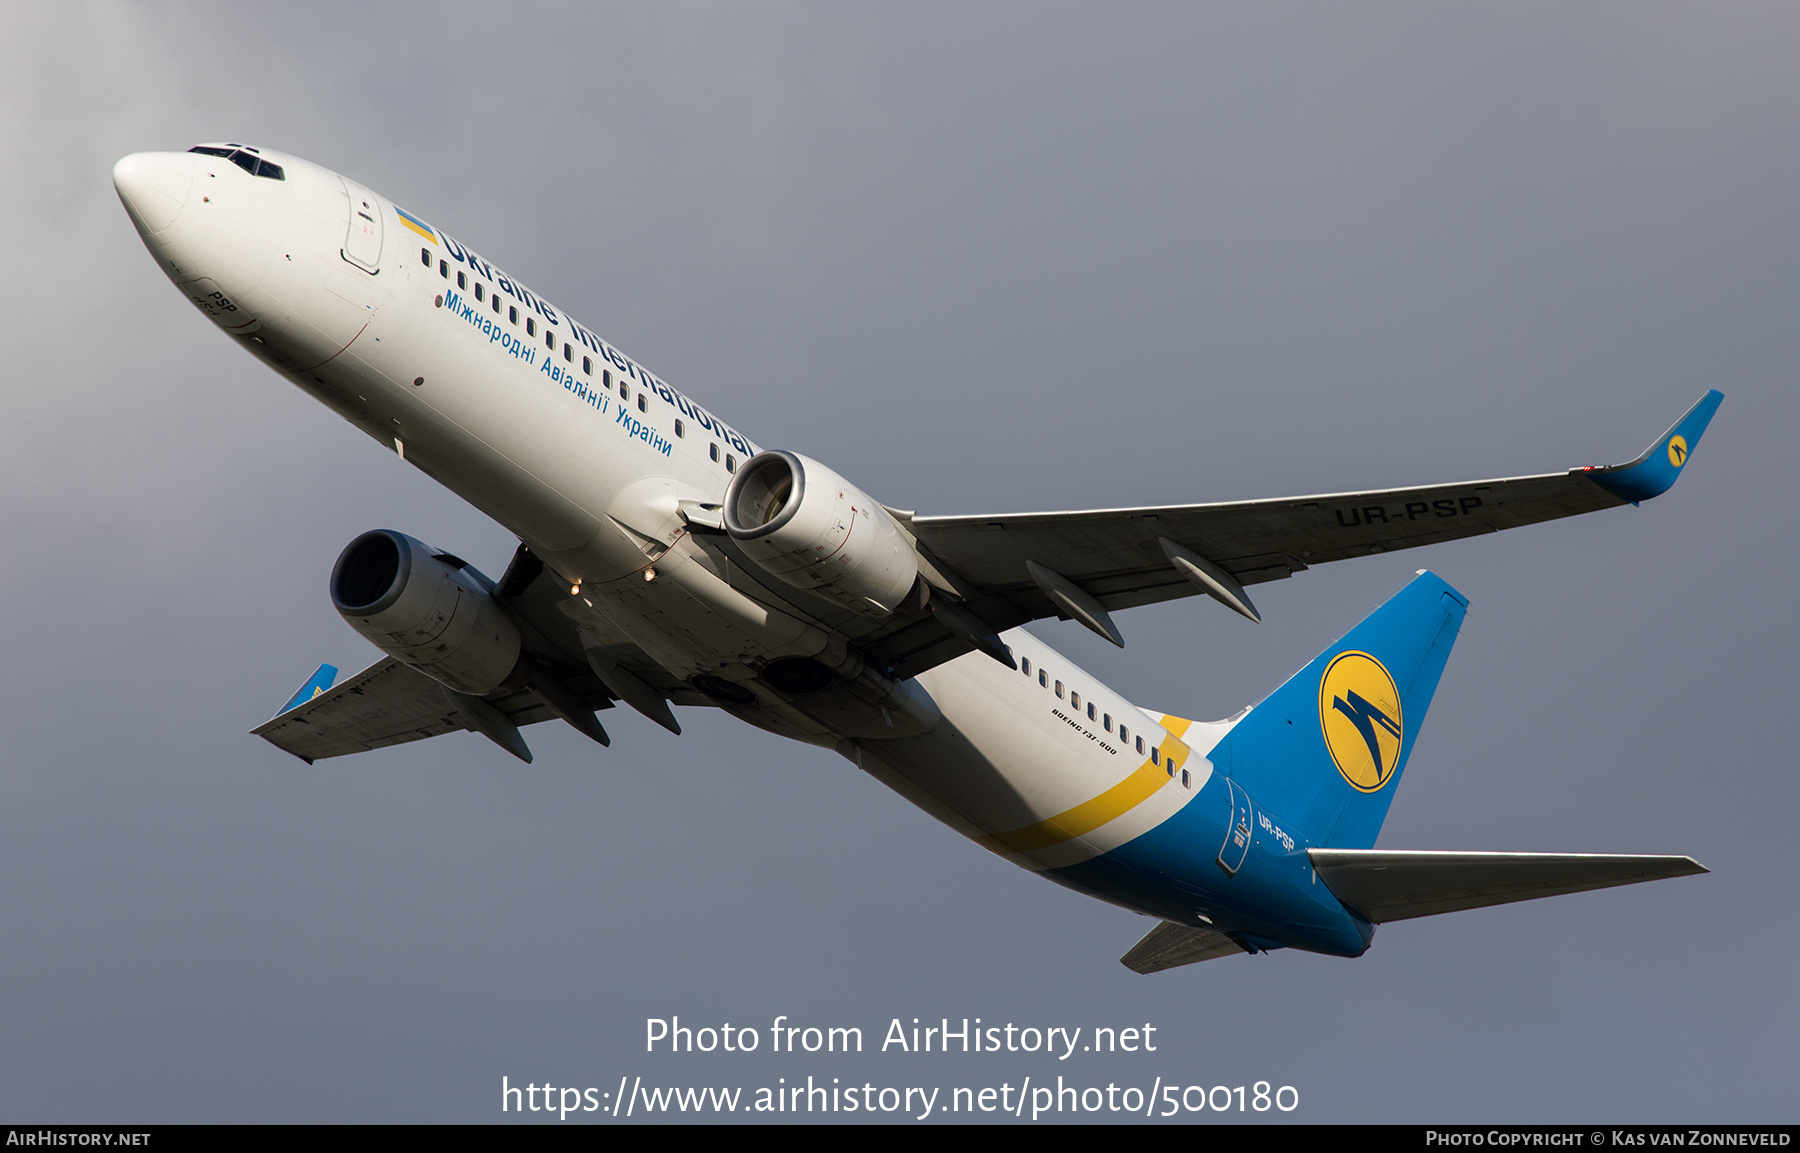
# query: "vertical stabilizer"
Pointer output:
{"type": "Point", "coordinates": [1326, 750]}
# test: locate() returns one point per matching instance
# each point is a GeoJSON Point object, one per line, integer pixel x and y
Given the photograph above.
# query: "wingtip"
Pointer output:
{"type": "Point", "coordinates": [1656, 470]}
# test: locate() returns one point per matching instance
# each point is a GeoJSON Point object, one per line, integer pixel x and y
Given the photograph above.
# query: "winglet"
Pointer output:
{"type": "Point", "coordinates": [315, 684]}
{"type": "Point", "coordinates": [1655, 472]}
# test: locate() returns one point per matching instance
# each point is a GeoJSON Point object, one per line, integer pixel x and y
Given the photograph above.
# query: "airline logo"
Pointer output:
{"type": "Point", "coordinates": [1678, 450]}
{"type": "Point", "coordinates": [1359, 710]}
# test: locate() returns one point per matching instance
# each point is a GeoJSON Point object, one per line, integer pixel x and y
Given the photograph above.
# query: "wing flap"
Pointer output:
{"type": "Point", "coordinates": [1392, 885]}
{"type": "Point", "coordinates": [1170, 945]}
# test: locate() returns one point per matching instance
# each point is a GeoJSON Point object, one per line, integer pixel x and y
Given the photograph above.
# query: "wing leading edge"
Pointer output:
{"type": "Point", "coordinates": [1124, 557]}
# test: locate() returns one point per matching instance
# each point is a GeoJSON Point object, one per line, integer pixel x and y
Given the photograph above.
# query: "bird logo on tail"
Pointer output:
{"type": "Point", "coordinates": [1359, 711]}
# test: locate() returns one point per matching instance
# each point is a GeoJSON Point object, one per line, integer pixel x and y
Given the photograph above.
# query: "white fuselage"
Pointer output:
{"type": "Point", "coordinates": [588, 458]}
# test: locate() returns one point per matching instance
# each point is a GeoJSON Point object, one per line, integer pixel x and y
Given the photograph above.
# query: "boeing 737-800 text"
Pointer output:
{"type": "Point", "coordinates": [665, 559]}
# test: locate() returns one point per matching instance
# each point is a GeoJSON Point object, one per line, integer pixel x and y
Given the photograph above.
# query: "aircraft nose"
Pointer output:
{"type": "Point", "coordinates": [154, 187]}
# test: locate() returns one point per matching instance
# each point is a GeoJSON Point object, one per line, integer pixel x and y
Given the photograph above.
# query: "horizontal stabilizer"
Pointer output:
{"type": "Point", "coordinates": [1170, 945]}
{"type": "Point", "coordinates": [1387, 885]}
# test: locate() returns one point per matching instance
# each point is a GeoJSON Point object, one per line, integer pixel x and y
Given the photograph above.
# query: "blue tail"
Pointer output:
{"type": "Point", "coordinates": [1325, 751]}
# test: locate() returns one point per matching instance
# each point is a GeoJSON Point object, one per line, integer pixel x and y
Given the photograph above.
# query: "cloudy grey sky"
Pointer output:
{"type": "Point", "coordinates": [980, 257]}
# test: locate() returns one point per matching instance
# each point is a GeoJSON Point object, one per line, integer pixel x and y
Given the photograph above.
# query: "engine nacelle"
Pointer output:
{"type": "Point", "coordinates": [426, 610]}
{"type": "Point", "coordinates": [813, 529]}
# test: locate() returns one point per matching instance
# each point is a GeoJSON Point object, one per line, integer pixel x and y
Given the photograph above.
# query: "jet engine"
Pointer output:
{"type": "Point", "coordinates": [812, 529]}
{"type": "Point", "coordinates": [429, 609]}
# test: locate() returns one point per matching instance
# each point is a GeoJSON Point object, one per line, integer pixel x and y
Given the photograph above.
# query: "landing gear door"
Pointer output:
{"type": "Point", "coordinates": [1237, 831]}
{"type": "Point", "coordinates": [362, 244]}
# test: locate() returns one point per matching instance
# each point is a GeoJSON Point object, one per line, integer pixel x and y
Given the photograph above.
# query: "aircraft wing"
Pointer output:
{"type": "Point", "coordinates": [1388, 885]}
{"type": "Point", "coordinates": [387, 703]}
{"type": "Point", "coordinates": [1169, 945]}
{"type": "Point", "coordinates": [1013, 568]}
{"type": "Point", "coordinates": [390, 703]}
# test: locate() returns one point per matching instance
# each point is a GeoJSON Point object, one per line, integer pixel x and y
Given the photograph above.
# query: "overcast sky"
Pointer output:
{"type": "Point", "coordinates": [979, 257]}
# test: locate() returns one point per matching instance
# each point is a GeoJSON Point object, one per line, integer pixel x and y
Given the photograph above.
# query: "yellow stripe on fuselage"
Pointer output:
{"type": "Point", "coordinates": [1084, 818]}
{"type": "Point", "coordinates": [417, 227]}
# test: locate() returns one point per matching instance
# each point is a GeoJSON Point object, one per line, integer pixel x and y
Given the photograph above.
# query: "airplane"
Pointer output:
{"type": "Point", "coordinates": [667, 559]}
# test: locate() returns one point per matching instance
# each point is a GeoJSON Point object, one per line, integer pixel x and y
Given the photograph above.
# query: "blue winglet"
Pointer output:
{"type": "Point", "coordinates": [1655, 472]}
{"type": "Point", "coordinates": [315, 684]}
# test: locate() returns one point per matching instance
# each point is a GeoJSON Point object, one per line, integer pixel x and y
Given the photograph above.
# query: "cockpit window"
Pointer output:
{"type": "Point", "coordinates": [254, 165]}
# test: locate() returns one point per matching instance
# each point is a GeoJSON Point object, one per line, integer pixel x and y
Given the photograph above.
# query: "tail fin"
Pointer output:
{"type": "Point", "coordinates": [1326, 750]}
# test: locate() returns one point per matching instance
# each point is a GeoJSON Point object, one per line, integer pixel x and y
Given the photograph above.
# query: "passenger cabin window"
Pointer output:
{"type": "Point", "coordinates": [1106, 722]}
{"type": "Point", "coordinates": [569, 353]}
{"type": "Point", "coordinates": [1140, 745]}
{"type": "Point", "coordinates": [1153, 756]}
{"type": "Point", "coordinates": [512, 313]}
{"type": "Point", "coordinates": [1185, 783]}
{"type": "Point", "coordinates": [1043, 678]}
{"type": "Point", "coordinates": [643, 403]}
{"type": "Point", "coordinates": [1074, 700]}
{"type": "Point", "coordinates": [444, 269]}
{"type": "Point", "coordinates": [425, 257]}
{"type": "Point", "coordinates": [1025, 666]}
{"type": "Point", "coordinates": [1124, 735]}
{"type": "Point", "coordinates": [1090, 710]}
{"type": "Point", "coordinates": [1059, 691]}
{"type": "Point", "coordinates": [462, 280]}
{"type": "Point", "coordinates": [730, 463]}
{"type": "Point", "coordinates": [587, 365]}
{"type": "Point", "coordinates": [479, 292]}
{"type": "Point", "coordinates": [680, 429]}
{"type": "Point", "coordinates": [530, 326]}
{"type": "Point", "coordinates": [715, 452]}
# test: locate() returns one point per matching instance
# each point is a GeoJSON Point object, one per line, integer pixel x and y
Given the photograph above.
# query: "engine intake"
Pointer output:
{"type": "Point", "coordinates": [426, 609]}
{"type": "Point", "coordinates": [811, 528]}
